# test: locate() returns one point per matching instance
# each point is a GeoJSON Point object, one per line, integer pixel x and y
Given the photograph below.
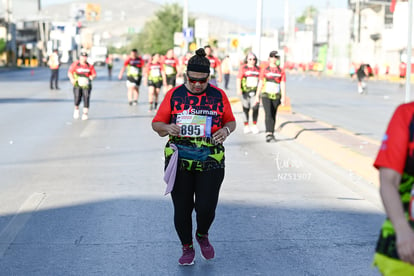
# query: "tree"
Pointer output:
{"type": "Point", "coordinates": [2, 45]}
{"type": "Point", "coordinates": [157, 36]}
{"type": "Point", "coordinates": [310, 12]}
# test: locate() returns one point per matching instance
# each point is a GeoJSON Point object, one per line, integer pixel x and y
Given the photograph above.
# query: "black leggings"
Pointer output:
{"type": "Point", "coordinates": [249, 102]}
{"type": "Point", "coordinates": [54, 76]}
{"type": "Point", "coordinates": [199, 190]}
{"type": "Point", "coordinates": [82, 93]}
{"type": "Point", "coordinates": [270, 108]}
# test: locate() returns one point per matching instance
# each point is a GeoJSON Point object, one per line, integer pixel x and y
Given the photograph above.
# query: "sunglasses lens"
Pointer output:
{"type": "Point", "coordinates": [193, 81]}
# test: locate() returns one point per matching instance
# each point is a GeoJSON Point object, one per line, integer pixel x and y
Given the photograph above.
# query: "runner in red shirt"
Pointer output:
{"type": "Point", "coordinates": [272, 92]}
{"type": "Point", "coordinates": [246, 83]}
{"type": "Point", "coordinates": [403, 73]}
{"type": "Point", "coordinates": [197, 118]}
{"type": "Point", "coordinates": [182, 72]}
{"type": "Point", "coordinates": [395, 161]}
{"type": "Point", "coordinates": [170, 63]}
{"type": "Point", "coordinates": [155, 76]}
{"type": "Point", "coordinates": [133, 65]}
{"type": "Point", "coordinates": [215, 66]}
{"type": "Point", "coordinates": [81, 74]}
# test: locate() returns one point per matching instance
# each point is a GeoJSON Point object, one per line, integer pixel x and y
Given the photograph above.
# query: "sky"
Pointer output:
{"type": "Point", "coordinates": [244, 11]}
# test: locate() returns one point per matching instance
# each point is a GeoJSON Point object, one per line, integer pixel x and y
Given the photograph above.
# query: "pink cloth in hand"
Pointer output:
{"type": "Point", "coordinates": [171, 170]}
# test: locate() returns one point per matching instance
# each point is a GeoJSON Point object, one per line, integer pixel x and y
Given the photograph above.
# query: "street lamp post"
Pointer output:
{"type": "Point", "coordinates": [185, 25]}
{"type": "Point", "coordinates": [286, 28]}
{"type": "Point", "coordinates": [259, 26]}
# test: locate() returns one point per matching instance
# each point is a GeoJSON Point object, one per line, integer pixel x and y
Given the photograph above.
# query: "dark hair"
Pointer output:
{"type": "Point", "coordinates": [199, 59]}
{"type": "Point", "coordinates": [250, 54]}
{"type": "Point", "coordinates": [134, 50]}
{"type": "Point", "coordinates": [274, 54]}
{"type": "Point", "coordinates": [207, 46]}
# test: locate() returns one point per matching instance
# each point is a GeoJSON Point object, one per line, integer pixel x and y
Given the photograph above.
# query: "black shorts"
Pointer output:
{"type": "Point", "coordinates": [156, 84]}
{"type": "Point", "coordinates": [171, 80]}
{"type": "Point", "coordinates": [134, 80]}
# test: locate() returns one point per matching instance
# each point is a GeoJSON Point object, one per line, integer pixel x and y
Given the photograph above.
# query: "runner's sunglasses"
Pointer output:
{"type": "Point", "coordinates": [194, 80]}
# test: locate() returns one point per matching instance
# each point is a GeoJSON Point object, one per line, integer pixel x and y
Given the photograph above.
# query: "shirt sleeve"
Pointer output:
{"type": "Point", "coordinates": [283, 76]}
{"type": "Point", "coordinates": [393, 151]}
{"type": "Point", "coordinates": [262, 73]}
{"type": "Point", "coordinates": [72, 68]}
{"type": "Point", "coordinates": [218, 62]}
{"type": "Point", "coordinates": [241, 72]}
{"type": "Point", "coordinates": [228, 115]}
{"type": "Point", "coordinates": [93, 71]}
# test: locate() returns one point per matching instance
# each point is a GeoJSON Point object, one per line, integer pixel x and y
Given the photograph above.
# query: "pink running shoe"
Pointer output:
{"type": "Point", "coordinates": [188, 255]}
{"type": "Point", "coordinates": [207, 250]}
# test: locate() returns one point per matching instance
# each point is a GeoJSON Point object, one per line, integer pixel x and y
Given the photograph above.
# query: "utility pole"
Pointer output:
{"type": "Point", "coordinates": [259, 26]}
{"type": "Point", "coordinates": [358, 21]}
{"type": "Point", "coordinates": [185, 25]}
{"type": "Point", "coordinates": [9, 37]}
{"type": "Point", "coordinates": [286, 28]}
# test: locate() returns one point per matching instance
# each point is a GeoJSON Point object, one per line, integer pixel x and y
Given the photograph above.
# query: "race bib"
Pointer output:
{"type": "Point", "coordinates": [212, 71]}
{"type": "Point", "coordinates": [252, 81]}
{"type": "Point", "coordinates": [169, 70]}
{"type": "Point", "coordinates": [133, 71]}
{"type": "Point", "coordinates": [194, 125]}
{"type": "Point", "coordinates": [272, 87]}
{"type": "Point", "coordinates": [83, 81]}
{"type": "Point", "coordinates": [155, 73]}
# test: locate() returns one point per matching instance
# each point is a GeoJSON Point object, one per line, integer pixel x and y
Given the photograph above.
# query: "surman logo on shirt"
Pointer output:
{"type": "Point", "coordinates": [192, 111]}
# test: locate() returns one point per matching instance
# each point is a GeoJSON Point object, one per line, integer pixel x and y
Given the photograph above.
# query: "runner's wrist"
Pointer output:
{"type": "Point", "coordinates": [228, 130]}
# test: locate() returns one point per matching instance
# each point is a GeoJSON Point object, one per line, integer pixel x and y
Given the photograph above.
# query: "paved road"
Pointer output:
{"type": "Point", "coordinates": [86, 197]}
{"type": "Point", "coordinates": [337, 102]}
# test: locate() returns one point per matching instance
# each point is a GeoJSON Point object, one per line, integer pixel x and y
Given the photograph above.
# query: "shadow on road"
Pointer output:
{"type": "Point", "coordinates": [135, 235]}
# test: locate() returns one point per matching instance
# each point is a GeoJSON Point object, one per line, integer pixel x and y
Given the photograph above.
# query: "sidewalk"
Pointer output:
{"type": "Point", "coordinates": [353, 152]}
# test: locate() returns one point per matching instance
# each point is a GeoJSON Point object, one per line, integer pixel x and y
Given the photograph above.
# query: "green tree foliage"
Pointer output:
{"type": "Point", "coordinates": [157, 35]}
{"type": "Point", "coordinates": [310, 12]}
{"type": "Point", "coordinates": [2, 45]}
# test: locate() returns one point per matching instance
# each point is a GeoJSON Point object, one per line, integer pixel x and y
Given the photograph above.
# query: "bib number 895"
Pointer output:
{"type": "Point", "coordinates": [190, 130]}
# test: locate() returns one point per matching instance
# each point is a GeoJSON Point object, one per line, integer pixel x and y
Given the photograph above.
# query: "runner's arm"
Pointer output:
{"type": "Point", "coordinates": [283, 92]}
{"type": "Point", "coordinates": [390, 181]}
{"type": "Point", "coordinates": [121, 72]}
{"type": "Point", "coordinates": [164, 129]}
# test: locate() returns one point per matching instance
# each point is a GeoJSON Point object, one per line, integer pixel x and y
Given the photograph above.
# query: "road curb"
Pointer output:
{"type": "Point", "coordinates": [355, 153]}
{"type": "Point", "coordinates": [348, 157]}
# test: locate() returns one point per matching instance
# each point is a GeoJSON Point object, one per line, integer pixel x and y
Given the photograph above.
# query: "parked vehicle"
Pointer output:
{"type": "Point", "coordinates": [97, 55]}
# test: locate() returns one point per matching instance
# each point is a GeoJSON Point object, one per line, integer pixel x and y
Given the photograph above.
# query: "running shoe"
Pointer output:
{"type": "Point", "coordinates": [134, 102]}
{"type": "Point", "coordinates": [207, 250]}
{"type": "Point", "coordinates": [131, 103]}
{"type": "Point", "coordinates": [270, 138]}
{"type": "Point", "coordinates": [76, 114]}
{"type": "Point", "coordinates": [85, 116]}
{"type": "Point", "coordinates": [255, 129]}
{"type": "Point", "coordinates": [188, 255]}
{"type": "Point", "coordinates": [246, 129]}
